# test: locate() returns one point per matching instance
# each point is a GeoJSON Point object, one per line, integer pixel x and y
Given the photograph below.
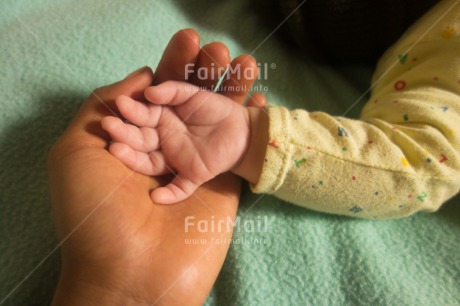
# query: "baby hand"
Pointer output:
{"type": "Point", "coordinates": [194, 133]}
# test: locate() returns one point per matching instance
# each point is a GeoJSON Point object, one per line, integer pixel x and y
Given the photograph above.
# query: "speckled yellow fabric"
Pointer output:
{"type": "Point", "coordinates": [402, 156]}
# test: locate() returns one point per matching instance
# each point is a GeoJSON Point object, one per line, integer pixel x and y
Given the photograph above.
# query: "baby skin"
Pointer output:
{"type": "Point", "coordinates": [194, 133]}
{"type": "Point", "coordinates": [399, 158]}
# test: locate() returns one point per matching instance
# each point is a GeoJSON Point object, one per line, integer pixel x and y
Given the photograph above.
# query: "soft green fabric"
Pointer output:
{"type": "Point", "coordinates": [53, 53]}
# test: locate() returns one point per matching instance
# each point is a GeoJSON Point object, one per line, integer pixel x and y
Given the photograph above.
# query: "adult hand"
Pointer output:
{"type": "Point", "coordinates": [117, 247]}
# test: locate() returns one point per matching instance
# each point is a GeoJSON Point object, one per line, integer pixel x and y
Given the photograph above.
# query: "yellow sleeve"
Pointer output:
{"type": "Point", "coordinates": [402, 156]}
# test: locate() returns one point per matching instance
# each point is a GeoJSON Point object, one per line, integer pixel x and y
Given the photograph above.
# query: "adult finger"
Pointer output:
{"type": "Point", "coordinates": [180, 54]}
{"type": "Point", "coordinates": [257, 100]}
{"type": "Point", "coordinates": [242, 73]}
{"type": "Point", "coordinates": [85, 129]}
{"type": "Point", "coordinates": [212, 62]}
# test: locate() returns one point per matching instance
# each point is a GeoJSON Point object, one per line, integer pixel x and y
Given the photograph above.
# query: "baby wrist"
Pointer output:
{"type": "Point", "coordinates": [251, 165]}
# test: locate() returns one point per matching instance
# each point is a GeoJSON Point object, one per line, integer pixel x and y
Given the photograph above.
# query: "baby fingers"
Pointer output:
{"type": "Point", "coordinates": [142, 139]}
{"type": "Point", "coordinates": [171, 93]}
{"type": "Point", "coordinates": [139, 113]}
{"type": "Point", "coordinates": [146, 163]}
{"type": "Point", "coordinates": [178, 190]}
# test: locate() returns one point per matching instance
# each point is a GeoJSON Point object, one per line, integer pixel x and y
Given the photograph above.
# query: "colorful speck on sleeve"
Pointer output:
{"type": "Point", "coordinates": [401, 157]}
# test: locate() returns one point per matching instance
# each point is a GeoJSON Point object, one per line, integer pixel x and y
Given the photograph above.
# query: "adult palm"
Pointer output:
{"type": "Point", "coordinates": [117, 246]}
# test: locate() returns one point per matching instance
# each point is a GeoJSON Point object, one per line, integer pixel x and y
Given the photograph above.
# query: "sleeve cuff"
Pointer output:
{"type": "Point", "coordinates": [278, 153]}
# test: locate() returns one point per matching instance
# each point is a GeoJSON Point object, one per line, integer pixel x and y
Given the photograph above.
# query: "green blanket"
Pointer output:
{"type": "Point", "coordinates": [53, 53]}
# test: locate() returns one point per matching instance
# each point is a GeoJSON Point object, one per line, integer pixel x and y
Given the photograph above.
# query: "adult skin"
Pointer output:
{"type": "Point", "coordinates": [119, 248]}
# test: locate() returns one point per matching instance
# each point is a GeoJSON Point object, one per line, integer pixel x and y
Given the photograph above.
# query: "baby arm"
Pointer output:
{"type": "Point", "coordinates": [387, 165]}
{"type": "Point", "coordinates": [402, 156]}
